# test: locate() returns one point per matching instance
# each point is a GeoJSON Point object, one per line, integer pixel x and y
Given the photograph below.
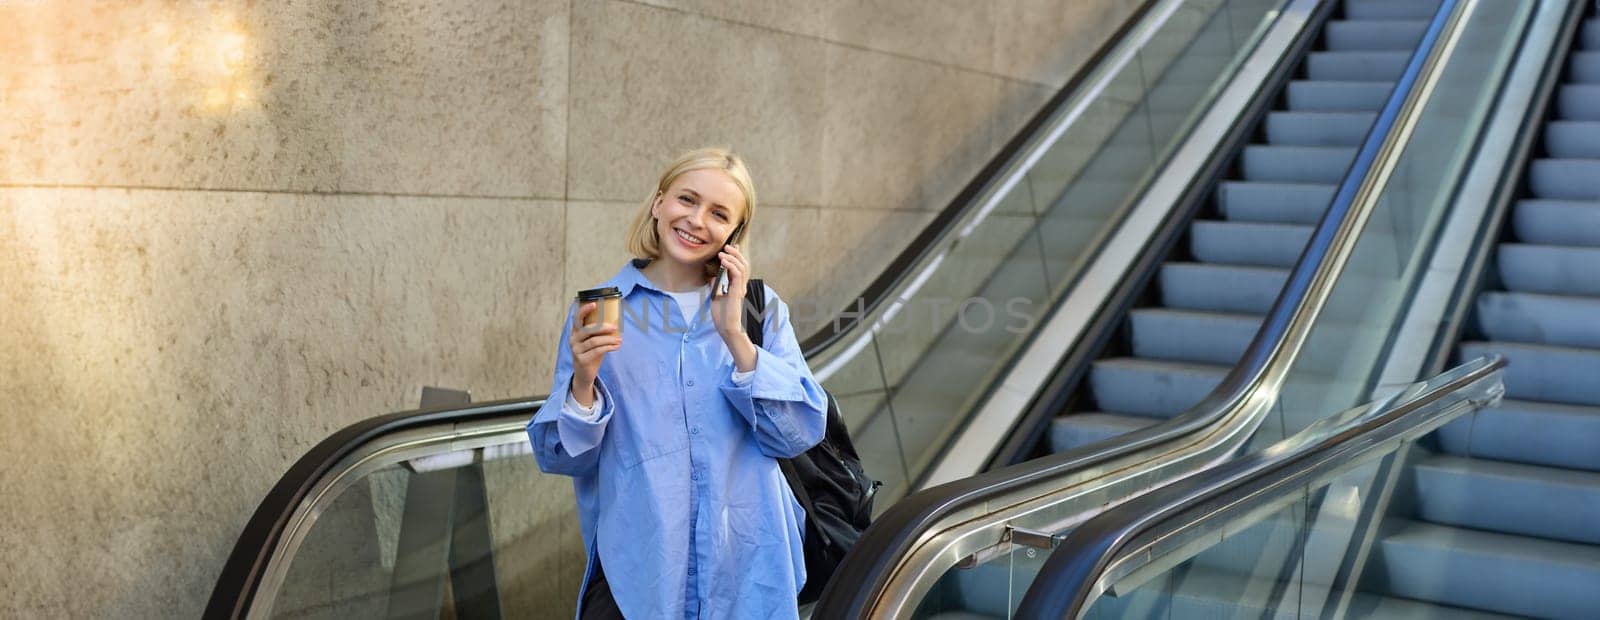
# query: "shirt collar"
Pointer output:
{"type": "Point", "coordinates": [630, 276]}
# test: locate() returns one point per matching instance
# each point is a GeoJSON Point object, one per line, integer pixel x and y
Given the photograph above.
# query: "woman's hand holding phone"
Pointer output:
{"type": "Point", "coordinates": [589, 346]}
{"type": "Point", "coordinates": [727, 311]}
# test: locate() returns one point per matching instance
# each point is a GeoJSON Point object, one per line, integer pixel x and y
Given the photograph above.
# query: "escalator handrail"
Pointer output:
{"type": "Point", "coordinates": [865, 574]}
{"type": "Point", "coordinates": [1077, 567]}
{"type": "Point", "coordinates": [236, 586]}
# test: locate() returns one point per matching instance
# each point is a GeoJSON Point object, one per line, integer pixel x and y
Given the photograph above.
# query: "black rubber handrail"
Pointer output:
{"type": "Point", "coordinates": [236, 586]}
{"type": "Point", "coordinates": [865, 572]}
{"type": "Point", "coordinates": [1066, 581]}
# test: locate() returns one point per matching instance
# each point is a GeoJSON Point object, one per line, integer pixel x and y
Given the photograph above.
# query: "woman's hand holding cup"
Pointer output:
{"type": "Point", "coordinates": [590, 341]}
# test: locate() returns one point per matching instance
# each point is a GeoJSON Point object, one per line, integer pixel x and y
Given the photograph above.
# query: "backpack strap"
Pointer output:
{"type": "Point", "coordinates": [755, 298]}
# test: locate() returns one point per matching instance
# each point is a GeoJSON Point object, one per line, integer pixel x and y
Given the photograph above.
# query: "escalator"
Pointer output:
{"type": "Point", "coordinates": [442, 509]}
{"type": "Point", "coordinates": [969, 548]}
{"type": "Point", "coordinates": [1208, 299]}
{"type": "Point", "coordinates": [1501, 511]}
{"type": "Point", "coordinates": [1492, 515]}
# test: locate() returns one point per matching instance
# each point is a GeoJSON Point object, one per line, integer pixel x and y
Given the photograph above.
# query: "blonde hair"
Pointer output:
{"type": "Point", "coordinates": [643, 239]}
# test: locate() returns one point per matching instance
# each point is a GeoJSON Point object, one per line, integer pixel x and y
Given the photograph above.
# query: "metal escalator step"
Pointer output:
{"type": "Point", "coordinates": [1578, 102]}
{"type": "Point", "coordinates": [1551, 269]}
{"type": "Point", "coordinates": [1081, 429]}
{"type": "Point", "coordinates": [1533, 318]}
{"type": "Point", "coordinates": [1248, 243]}
{"type": "Point", "coordinates": [1557, 222]}
{"type": "Point", "coordinates": [1584, 67]}
{"type": "Point", "coordinates": [1356, 66]}
{"type": "Point", "coordinates": [1544, 373]}
{"type": "Point", "coordinates": [1390, 9]}
{"type": "Point", "coordinates": [1393, 35]}
{"type": "Point", "coordinates": [1565, 179]}
{"type": "Point", "coordinates": [1318, 128]}
{"type": "Point", "coordinates": [1190, 336]}
{"type": "Point", "coordinates": [1500, 573]}
{"type": "Point", "coordinates": [1296, 164]}
{"type": "Point", "coordinates": [1509, 498]}
{"type": "Point", "coordinates": [1524, 431]}
{"type": "Point", "coordinates": [1220, 288]}
{"type": "Point", "coordinates": [1589, 37]}
{"type": "Point", "coordinates": [1281, 203]}
{"type": "Point", "coordinates": [1339, 96]}
{"type": "Point", "coordinates": [1152, 388]}
{"type": "Point", "coordinates": [1573, 139]}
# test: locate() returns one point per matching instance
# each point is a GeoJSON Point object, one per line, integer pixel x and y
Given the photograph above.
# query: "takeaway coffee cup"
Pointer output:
{"type": "Point", "coordinates": [608, 305]}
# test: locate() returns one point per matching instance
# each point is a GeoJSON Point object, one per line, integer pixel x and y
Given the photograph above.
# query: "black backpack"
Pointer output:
{"type": "Point", "coordinates": [827, 480]}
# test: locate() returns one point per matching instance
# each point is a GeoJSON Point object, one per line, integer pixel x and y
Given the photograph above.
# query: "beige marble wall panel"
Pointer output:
{"type": "Point", "coordinates": [414, 98]}
{"type": "Point", "coordinates": [804, 17]}
{"type": "Point", "coordinates": [176, 351]}
{"type": "Point", "coordinates": [957, 33]}
{"type": "Point", "coordinates": [1045, 41]}
{"type": "Point", "coordinates": [596, 242]}
{"type": "Point", "coordinates": [649, 83]}
{"type": "Point", "coordinates": [909, 135]}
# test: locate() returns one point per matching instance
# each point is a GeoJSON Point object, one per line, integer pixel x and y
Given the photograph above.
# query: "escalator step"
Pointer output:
{"type": "Point", "coordinates": [1398, 35]}
{"type": "Point", "coordinates": [1589, 38]}
{"type": "Point", "coordinates": [1525, 431]}
{"type": "Point", "coordinates": [1584, 68]}
{"type": "Point", "coordinates": [1356, 66]}
{"type": "Point", "coordinates": [1282, 203]}
{"type": "Point", "coordinates": [1296, 164]}
{"type": "Point", "coordinates": [1573, 139]}
{"type": "Point", "coordinates": [1565, 179]}
{"type": "Point", "coordinates": [1337, 96]}
{"type": "Point", "coordinates": [1189, 336]}
{"type": "Point", "coordinates": [1081, 429]}
{"type": "Point", "coordinates": [1483, 570]}
{"type": "Point", "coordinates": [1318, 128]}
{"type": "Point", "coordinates": [1510, 498]}
{"type": "Point", "coordinates": [1152, 388]}
{"type": "Point", "coordinates": [1540, 319]}
{"type": "Point", "coordinates": [1556, 270]}
{"type": "Point", "coordinates": [1199, 286]}
{"type": "Point", "coordinates": [1544, 373]}
{"type": "Point", "coordinates": [1390, 9]}
{"type": "Point", "coordinates": [1579, 102]}
{"type": "Point", "coordinates": [1557, 222]}
{"type": "Point", "coordinates": [1248, 243]}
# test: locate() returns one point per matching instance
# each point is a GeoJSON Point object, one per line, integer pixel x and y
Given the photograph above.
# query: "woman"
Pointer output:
{"type": "Point", "coordinates": [672, 440]}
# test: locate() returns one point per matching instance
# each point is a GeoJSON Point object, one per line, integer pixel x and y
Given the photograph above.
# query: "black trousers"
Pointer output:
{"type": "Point", "coordinates": [597, 601]}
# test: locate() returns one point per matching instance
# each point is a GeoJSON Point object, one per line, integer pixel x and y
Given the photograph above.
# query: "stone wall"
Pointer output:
{"type": "Point", "coordinates": [228, 229]}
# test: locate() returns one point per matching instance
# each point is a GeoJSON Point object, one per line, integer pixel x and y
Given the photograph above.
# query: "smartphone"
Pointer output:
{"type": "Point", "coordinates": [721, 287]}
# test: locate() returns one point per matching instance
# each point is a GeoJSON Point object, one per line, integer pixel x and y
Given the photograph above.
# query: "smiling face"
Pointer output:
{"type": "Point", "coordinates": [696, 215]}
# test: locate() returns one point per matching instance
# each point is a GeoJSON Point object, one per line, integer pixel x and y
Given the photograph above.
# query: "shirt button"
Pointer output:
{"type": "Point", "coordinates": [691, 570]}
{"type": "Point", "coordinates": [691, 383]}
{"type": "Point", "coordinates": [694, 475]}
{"type": "Point", "coordinates": [694, 431]}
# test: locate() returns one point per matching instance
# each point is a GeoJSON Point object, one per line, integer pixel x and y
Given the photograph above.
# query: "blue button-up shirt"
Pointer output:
{"type": "Point", "coordinates": [679, 493]}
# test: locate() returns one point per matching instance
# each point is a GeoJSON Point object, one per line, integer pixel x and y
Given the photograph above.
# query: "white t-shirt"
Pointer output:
{"type": "Point", "coordinates": [689, 302]}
